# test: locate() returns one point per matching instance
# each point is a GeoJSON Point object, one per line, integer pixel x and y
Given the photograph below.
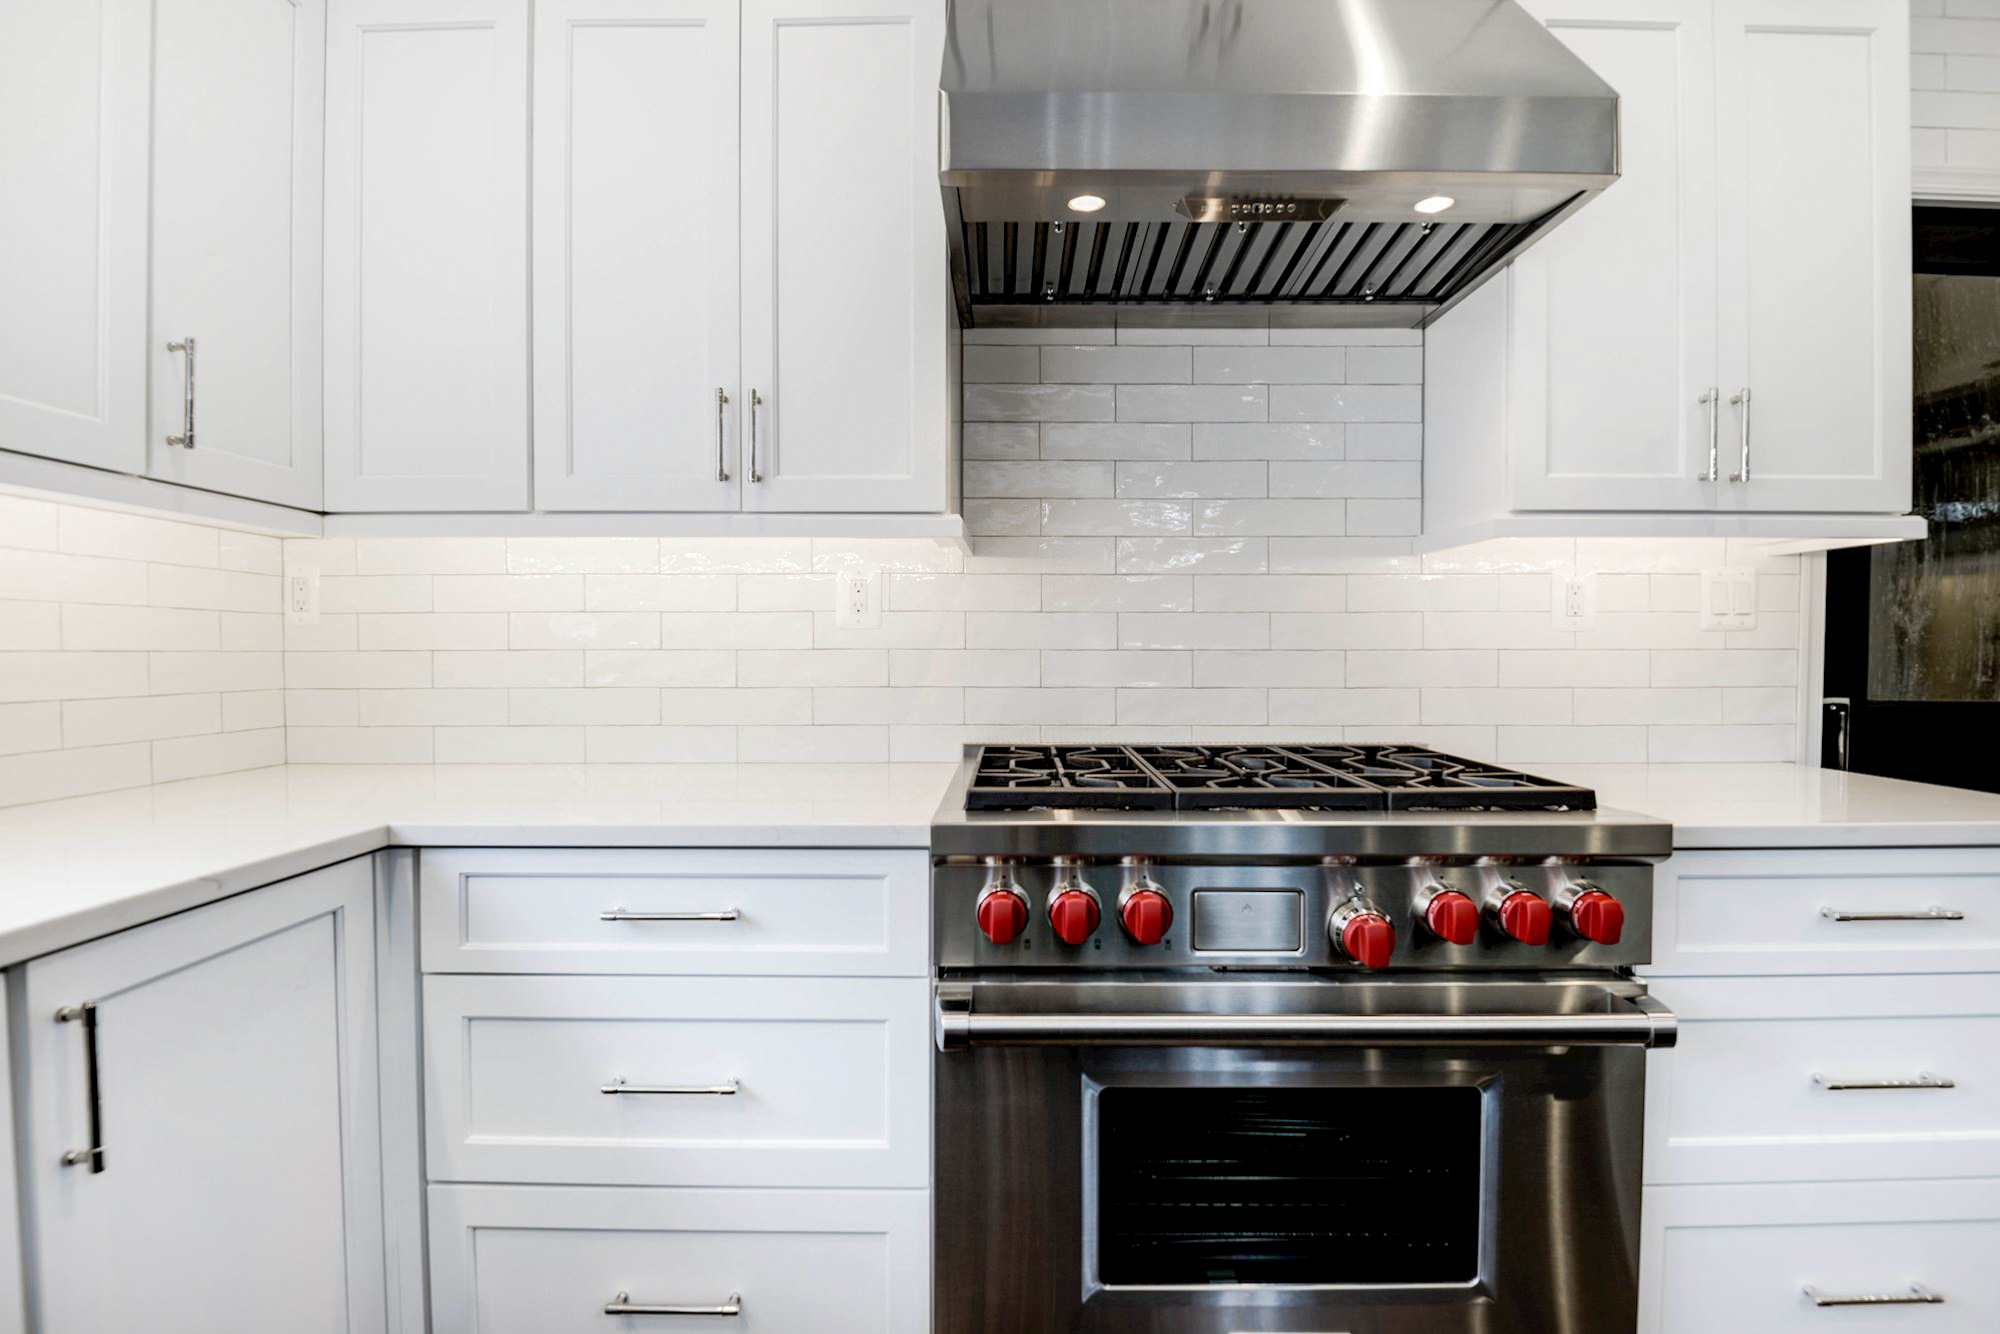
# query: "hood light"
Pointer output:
{"type": "Point", "coordinates": [1087, 203]}
{"type": "Point", "coordinates": [1435, 204]}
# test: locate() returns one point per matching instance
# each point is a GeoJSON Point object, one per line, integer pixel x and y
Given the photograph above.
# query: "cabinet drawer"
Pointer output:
{"type": "Point", "coordinates": [1751, 1092]}
{"type": "Point", "coordinates": [1739, 1258]}
{"type": "Point", "coordinates": [831, 1080]}
{"type": "Point", "coordinates": [1766, 911]}
{"type": "Point", "coordinates": [843, 912]}
{"type": "Point", "coordinates": [547, 1259]}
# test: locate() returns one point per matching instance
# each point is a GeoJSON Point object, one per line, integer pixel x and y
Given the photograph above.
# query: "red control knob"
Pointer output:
{"type": "Point", "coordinates": [1146, 916]}
{"type": "Point", "coordinates": [1003, 915]}
{"type": "Point", "coordinates": [1452, 917]}
{"type": "Point", "coordinates": [1369, 939]}
{"type": "Point", "coordinates": [1525, 917]}
{"type": "Point", "coordinates": [1074, 915]}
{"type": "Point", "coordinates": [1597, 917]}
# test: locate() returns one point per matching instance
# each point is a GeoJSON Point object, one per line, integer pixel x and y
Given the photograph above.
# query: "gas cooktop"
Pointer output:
{"type": "Point", "coordinates": [1356, 777]}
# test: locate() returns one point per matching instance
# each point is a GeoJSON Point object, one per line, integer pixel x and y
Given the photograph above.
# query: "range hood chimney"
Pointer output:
{"type": "Point", "coordinates": [1350, 162]}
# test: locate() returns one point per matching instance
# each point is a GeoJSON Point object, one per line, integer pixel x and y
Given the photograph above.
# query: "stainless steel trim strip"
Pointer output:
{"type": "Point", "coordinates": [622, 915]}
{"type": "Point", "coordinates": [622, 1304]}
{"type": "Point", "coordinates": [1924, 1080]}
{"type": "Point", "coordinates": [1918, 915]}
{"type": "Point", "coordinates": [728, 1090]}
{"type": "Point", "coordinates": [1648, 1024]}
{"type": "Point", "coordinates": [1918, 1295]}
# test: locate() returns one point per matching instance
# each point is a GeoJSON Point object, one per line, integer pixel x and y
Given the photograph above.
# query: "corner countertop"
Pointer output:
{"type": "Point", "coordinates": [83, 867]}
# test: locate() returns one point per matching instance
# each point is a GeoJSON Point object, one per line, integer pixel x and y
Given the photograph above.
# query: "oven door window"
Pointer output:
{"type": "Point", "coordinates": [1309, 1186]}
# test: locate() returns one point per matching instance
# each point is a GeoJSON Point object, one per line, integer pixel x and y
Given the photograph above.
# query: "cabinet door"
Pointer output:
{"type": "Point", "coordinates": [237, 104]}
{"type": "Point", "coordinates": [73, 230]}
{"type": "Point", "coordinates": [1612, 320]}
{"type": "Point", "coordinates": [844, 296]}
{"type": "Point", "coordinates": [240, 1181]}
{"type": "Point", "coordinates": [635, 255]}
{"type": "Point", "coordinates": [1813, 137]}
{"type": "Point", "coordinates": [426, 255]}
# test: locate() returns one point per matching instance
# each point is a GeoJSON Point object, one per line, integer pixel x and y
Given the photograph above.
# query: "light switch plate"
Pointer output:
{"type": "Point", "coordinates": [1729, 598]}
{"type": "Point", "coordinates": [1573, 600]}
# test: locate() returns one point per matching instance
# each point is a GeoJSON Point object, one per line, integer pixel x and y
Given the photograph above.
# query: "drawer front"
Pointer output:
{"type": "Point", "coordinates": [1910, 910]}
{"type": "Point", "coordinates": [1740, 1258]}
{"type": "Point", "coordinates": [548, 1259]}
{"type": "Point", "coordinates": [823, 911]}
{"type": "Point", "coordinates": [716, 1082]}
{"type": "Point", "coordinates": [1822, 1079]}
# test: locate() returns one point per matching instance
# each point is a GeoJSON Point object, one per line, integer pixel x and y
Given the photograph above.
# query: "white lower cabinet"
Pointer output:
{"type": "Point", "coordinates": [1788, 1259]}
{"type": "Point", "coordinates": [199, 1124]}
{"type": "Point", "coordinates": [559, 1260]}
{"type": "Point", "coordinates": [678, 1081]}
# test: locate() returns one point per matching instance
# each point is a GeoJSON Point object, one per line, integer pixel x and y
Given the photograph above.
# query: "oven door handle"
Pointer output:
{"type": "Point", "coordinates": [1638, 1021]}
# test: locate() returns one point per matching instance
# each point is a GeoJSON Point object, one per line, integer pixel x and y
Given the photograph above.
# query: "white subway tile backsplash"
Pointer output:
{"type": "Point", "coordinates": [89, 532]}
{"type": "Point", "coordinates": [1117, 668]}
{"type": "Point", "coordinates": [1270, 365]}
{"type": "Point", "coordinates": [1209, 555]}
{"type": "Point", "coordinates": [570, 629]}
{"type": "Point", "coordinates": [105, 722]}
{"type": "Point", "coordinates": [1385, 440]}
{"type": "Point", "coordinates": [1190, 480]}
{"type": "Point", "coordinates": [86, 626]}
{"type": "Point", "coordinates": [660, 745]}
{"type": "Point", "coordinates": [665, 667]}
{"type": "Point", "coordinates": [1077, 705]}
{"type": "Point", "coordinates": [1112, 440]}
{"type": "Point", "coordinates": [715, 708]}
{"type": "Point", "coordinates": [512, 592]}
{"type": "Point", "coordinates": [1193, 403]}
{"type": "Point", "coordinates": [812, 667]}
{"type": "Point", "coordinates": [40, 676]}
{"type": "Point", "coordinates": [27, 524]}
{"type": "Point", "coordinates": [1347, 630]}
{"type": "Point", "coordinates": [1425, 667]}
{"type": "Point", "coordinates": [438, 708]}
{"type": "Point", "coordinates": [1115, 365]}
{"type": "Point", "coordinates": [1347, 478]}
{"type": "Point", "coordinates": [1090, 592]}
{"type": "Point", "coordinates": [221, 753]}
{"type": "Point", "coordinates": [428, 630]}
{"type": "Point", "coordinates": [430, 555]}
{"type": "Point", "coordinates": [1039, 629]}
{"type": "Point", "coordinates": [1270, 441]}
{"type": "Point", "coordinates": [340, 594]}
{"type": "Point", "coordinates": [48, 576]}
{"type": "Point", "coordinates": [509, 745]}
{"type": "Point", "coordinates": [1116, 518]}
{"type": "Point", "coordinates": [1385, 365]}
{"type": "Point", "coordinates": [1286, 518]}
{"type": "Point", "coordinates": [608, 706]}
{"type": "Point", "coordinates": [1001, 440]}
{"type": "Point", "coordinates": [964, 592]}
{"type": "Point", "coordinates": [1341, 707]}
{"type": "Point", "coordinates": [1288, 667]}
{"type": "Point", "coordinates": [1041, 478]}
{"type": "Point", "coordinates": [1042, 555]}
{"type": "Point", "coordinates": [1271, 592]}
{"type": "Point", "coordinates": [582, 555]}
{"type": "Point", "coordinates": [1040, 403]}
{"type": "Point", "coordinates": [29, 727]}
{"type": "Point", "coordinates": [962, 667]}
{"type": "Point", "coordinates": [1346, 403]}
{"type": "Point", "coordinates": [356, 671]}
{"type": "Point", "coordinates": [512, 667]}
{"type": "Point", "coordinates": [1221, 629]}
{"type": "Point", "coordinates": [1000, 364]}
{"type": "Point", "coordinates": [739, 629]}
{"type": "Point", "coordinates": [31, 625]}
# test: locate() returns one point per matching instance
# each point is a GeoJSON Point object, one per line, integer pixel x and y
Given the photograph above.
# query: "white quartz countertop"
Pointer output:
{"type": "Point", "coordinates": [79, 868]}
{"type": "Point", "coordinates": [75, 869]}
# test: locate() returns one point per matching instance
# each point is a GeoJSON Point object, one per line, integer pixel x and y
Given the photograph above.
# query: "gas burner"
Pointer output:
{"type": "Point", "coordinates": [1326, 777]}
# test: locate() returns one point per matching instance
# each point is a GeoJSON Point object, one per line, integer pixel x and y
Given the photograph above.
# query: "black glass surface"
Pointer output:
{"type": "Point", "coordinates": [1288, 1185]}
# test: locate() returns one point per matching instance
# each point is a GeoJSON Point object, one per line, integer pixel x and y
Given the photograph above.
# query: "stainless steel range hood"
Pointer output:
{"type": "Point", "coordinates": [1256, 154]}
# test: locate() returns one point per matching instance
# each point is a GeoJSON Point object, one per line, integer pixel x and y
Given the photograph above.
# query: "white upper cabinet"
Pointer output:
{"type": "Point", "coordinates": [1743, 286]}
{"type": "Point", "coordinates": [635, 255]}
{"type": "Point", "coordinates": [234, 356]}
{"type": "Point", "coordinates": [844, 297]}
{"type": "Point", "coordinates": [1612, 357]}
{"type": "Point", "coordinates": [201, 1132]}
{"type": "Point", "coordinates": [1814, 192]}
{"type": "Point", "coordinates": [426, 255]}
{"type": "Point", "coordinates": [73, 92]}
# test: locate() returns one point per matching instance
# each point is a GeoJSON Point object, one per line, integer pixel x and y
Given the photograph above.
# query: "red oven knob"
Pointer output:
{"type": "Point", "coordinates": [1597, 917]}
{"type": "Point", "coordinates": [1525, 917]}
{"type": "Point", "coordinates": [1452, 917]}
{"type": "Point", "coordinates": [1003, 915]}
{"type": "Point", "coordinates": [1074, 915]}
{"type": "Point", "coordinates": [1369, 939]}
{"type": "Point", "coordinates": [1146, 916]}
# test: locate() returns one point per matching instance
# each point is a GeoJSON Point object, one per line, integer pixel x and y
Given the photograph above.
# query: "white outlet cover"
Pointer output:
{"type": "Point", "coordinates": [857, 599]}
{"type": "Point", "coordinates": [1572, 599]}
{"type": "Point", "coordinates": [302, 595]}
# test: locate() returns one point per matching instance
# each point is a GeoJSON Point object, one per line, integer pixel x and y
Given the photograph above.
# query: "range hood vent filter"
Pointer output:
{"type": "Point", "coordinates": [1228, 263]}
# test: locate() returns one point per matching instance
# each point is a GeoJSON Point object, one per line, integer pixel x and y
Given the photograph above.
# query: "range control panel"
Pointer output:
{"type": "Point", "coordinates": [1138, 912]}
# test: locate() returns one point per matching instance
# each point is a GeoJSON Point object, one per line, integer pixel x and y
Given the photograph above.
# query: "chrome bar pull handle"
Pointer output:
{"type": "Point", "coordinates": [756, 401]}
{"type": "Point", "coordinates": [622, 915]}
{"type": "Point", "coordinates": [185, 439]}
{"type": "Point", "coordinates": [1741, 400]}
{"type": "Point", "coordinates": [1916, 915]}
{"type": "Point", "coordinates": [1918, 1295]}
{"type": "Point", "coordinates": [623, 1304]}
{"type": "Point", "coordinates": [721, 448]}
{"type": "Point", "coordinates": [728, 1090]}
{"type": "Point", "coordinates": [86, 1014]}
{"type": "Point", "coordinates": [1712, 400]}
{"type": "Point", "coordinates": [1924, 1080]}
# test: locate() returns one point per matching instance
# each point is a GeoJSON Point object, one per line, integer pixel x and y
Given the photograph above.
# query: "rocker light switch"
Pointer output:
{"type": "Point", "coordinates": [1729, 598]}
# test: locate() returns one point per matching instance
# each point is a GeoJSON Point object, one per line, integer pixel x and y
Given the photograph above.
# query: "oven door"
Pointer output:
{"type": "Point", "coordinates": [1236, 1154]}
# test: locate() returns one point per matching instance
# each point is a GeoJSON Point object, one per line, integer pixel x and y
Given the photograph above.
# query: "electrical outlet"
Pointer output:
{"type": "Point", "coordinates": [1729, 598]}
{"type": "Point", "coordinates": [858, 599]}
{"type": "Point", "coordinates": [1573, 600]}
{"type": "Point", "coordinates": [302, 596]}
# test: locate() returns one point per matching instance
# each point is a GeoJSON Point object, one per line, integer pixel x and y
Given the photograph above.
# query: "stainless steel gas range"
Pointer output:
{"type": "Point", "coordinates": [1333, 1039]}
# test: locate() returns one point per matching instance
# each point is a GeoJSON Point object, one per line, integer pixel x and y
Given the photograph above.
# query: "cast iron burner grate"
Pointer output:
{"type": "Point", "coordinates": [1327, 777]}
